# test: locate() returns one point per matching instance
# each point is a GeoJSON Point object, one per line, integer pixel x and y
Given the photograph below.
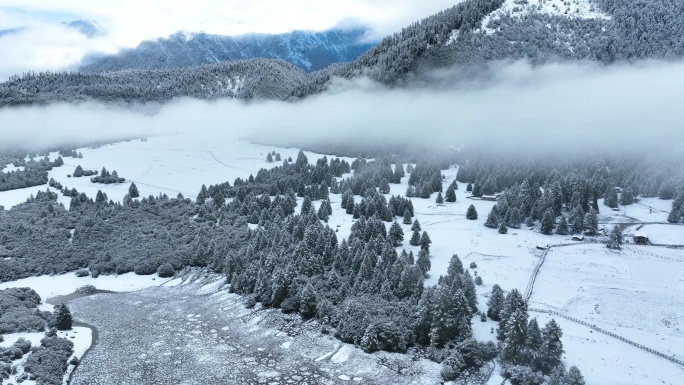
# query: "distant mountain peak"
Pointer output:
{"type": "Point", "coordinates": [89, 28]}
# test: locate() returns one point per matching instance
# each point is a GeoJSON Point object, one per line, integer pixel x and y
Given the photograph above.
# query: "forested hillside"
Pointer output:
{"type": "Point", "coordinates": [310, 51]}
{"type": "Point", "coordinates": [466, 37]}
{"type": "Point", "coordinates": [247, 79]}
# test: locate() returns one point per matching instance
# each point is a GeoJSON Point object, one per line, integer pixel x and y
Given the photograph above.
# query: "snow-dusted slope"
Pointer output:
{"type": "Point", "coordinates": [582, 9]}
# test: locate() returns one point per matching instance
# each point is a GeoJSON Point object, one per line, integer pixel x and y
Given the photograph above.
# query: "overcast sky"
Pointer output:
{"type": "Point", "coordinates": [128, 22]}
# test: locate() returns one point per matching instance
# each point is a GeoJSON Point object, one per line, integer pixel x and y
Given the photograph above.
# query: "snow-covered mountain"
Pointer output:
{"type": "Point", "coordinates": [309, 51]}
{"type": "Point", "coordinates": [466, 39]}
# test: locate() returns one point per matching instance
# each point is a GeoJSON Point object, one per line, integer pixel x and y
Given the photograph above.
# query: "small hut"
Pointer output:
{"type": "Point", "coordinates": [641, 238]}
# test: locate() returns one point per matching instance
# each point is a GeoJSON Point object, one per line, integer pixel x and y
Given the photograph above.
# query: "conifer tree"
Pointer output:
{"type": "Point", "coordinates": [503, 229]}
{"type": "Point", "coordinates": [515, 219]}
{"type": "Point", "coordinates": [307, 205]}
{"type": "Point", "coordinates": [515, 331]}
{"type": "Point", "coordinates": [577, 220]}
{"type": "Point", "coordinates": [369, 341]}
{"type": "Point", "coordinates": [469, 187]}
{"type": "Point", "coordinates": [450, 195]}
{"type": "Point", "coordinates": [307, 306]}
{"type": "Point", "coordinates": [423, 262]}
{"type": "Point", "coordinates": [562, 228]}
{"type": "Point", "coordinates": [425, 241]}
{"type": "Point", "coordinates": [439, 199]}
{"type": "Point", "coordinates": [591, 222]}
{"type": "Point", "coordinates": [63, 319]}
{"type": "Point", "coordinates": [495, 303]}
{"type": "Point", "coordinates": [551, 350]}
{"type": "Point", "coordinates": [471, 213]}
{"type": "Point", "coordinates": [533, 341]}
{"type": "Point", "coordinates": [615, 238]}
{"type": "Point", "coordinates": [574, 377]}
{"type": "Point", "coordinates": [547, 222]}
{"type": "Point", "coordinates": [396, 232]}
{"type": "Point", "coordinates": [416, 226]}
{"type": "Point", "coordinates": [407, 217]}
{"type": "Point", "coordinates": [384, 186]}
{"type": "Point", "coordinates": [133, 191]}
{"type": "Point", "coordinates": [610, 198]}
{"type": "Point", "coordinates": [492, 219]}
{"type": "Point", "coordinates": [415, 238]}
{"type": "Point", "coordinates": [269, 158]}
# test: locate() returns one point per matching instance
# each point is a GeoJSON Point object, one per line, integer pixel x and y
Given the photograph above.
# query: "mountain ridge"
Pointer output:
{"type": "Point", "coordinates": [309, 51]}
{"type": "Point", "coordinates": [466, 39]}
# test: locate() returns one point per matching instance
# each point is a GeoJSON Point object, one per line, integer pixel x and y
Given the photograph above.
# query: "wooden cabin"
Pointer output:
{"type": "Point", "coordinates": [641, 239]}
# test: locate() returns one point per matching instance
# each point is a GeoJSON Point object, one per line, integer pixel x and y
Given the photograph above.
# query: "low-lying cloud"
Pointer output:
{"type": "Point", "coordinates": [576, 107]}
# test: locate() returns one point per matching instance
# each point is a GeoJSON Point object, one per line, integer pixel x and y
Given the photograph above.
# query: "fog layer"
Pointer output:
{"type": "Point", "coordinates": [558, 106]}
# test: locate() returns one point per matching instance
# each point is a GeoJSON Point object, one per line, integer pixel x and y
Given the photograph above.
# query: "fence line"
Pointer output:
{"type": "Point", "coordinates": [528, 295]}
{"type": "Point", "coordinates": [671, 358]}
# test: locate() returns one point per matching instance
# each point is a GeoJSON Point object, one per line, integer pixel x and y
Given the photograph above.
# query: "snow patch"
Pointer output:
{"type": "Point", "coordinates": [574, 9]}
{"type": "Point", "coordinates": [342, 355]}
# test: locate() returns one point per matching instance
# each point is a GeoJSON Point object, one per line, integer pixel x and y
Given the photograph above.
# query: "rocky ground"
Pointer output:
{"type": "Point", "coordinates": [200, 334]}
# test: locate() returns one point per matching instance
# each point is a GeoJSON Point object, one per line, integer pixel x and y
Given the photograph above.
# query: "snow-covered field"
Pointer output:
{"type": "Point", "coordinates": [58, 285]}
{"type": "Point", "coordinates": [636, 293]}
{"type": "Point", "coordinates": [167, 164]}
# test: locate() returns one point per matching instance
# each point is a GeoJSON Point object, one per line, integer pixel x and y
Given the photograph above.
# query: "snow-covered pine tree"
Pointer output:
{"type": "Point", "coordinates": [396, 232]}
{"type": "Point", "coordinates": [574, 377]}
{"type": "Point", "coordinates": [133, 191]}
{"type": "Point", "coordinates": [63, 319]}
{"type": "Point", "coordinates": [591, 222]}
{"type": "Point", "coordinates": [423, 262]}
{"type": "Point", "coordinates": [495, 303]}
{"type": "Point", "coordinates": [415, 238]}
{"type": "Point", "coordinates": [415, 226]}
{"type": "Point", "coordinates": [307, 306]}
{"type": "Point", "coordinates": [471, 213]}
{"type": "Point", "coordinates": [615, 238]}
{"type": "Point", "coordinates": [492, 219]}
{"type": "Point", "coordinates": [407, 217]}
{"type": "Point", "coordinates": [503, 229]}
{"type": "Point", "coordinates": [551, 350]}
{"type": "Point", "coordinates": [562, 228]}
{"type": "Point", "coordinates": [450, 195]}
{"type": "Point", "coordinates": [547, 222]}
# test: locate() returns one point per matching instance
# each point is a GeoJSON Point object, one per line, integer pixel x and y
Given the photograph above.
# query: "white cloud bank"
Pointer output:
{"type": "Point", "coordinates": [578, 107]}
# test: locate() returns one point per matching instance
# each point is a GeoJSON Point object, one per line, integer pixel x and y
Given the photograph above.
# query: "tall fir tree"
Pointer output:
{"type": "Point", "coordinates": [63, 320]}
{"type": "Point", "coordinates": [450, 195]}
{"type": "Point", "coordinates": [562, 228]}
{"type": "Point", "coordinates": [133, 191]}
{"type": "Point", "coordinates": [547, 222]}
{"type": "Point", "coordinates": [591, 222]}
{"type": "Point", "coordinates": [551, 350]}
{"type": "Point", "coordinates": [495, 303]}
{"type": "Point", "coordinates": [407, 217]}
{"type": "Point", "coordinates": [492, 219]}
